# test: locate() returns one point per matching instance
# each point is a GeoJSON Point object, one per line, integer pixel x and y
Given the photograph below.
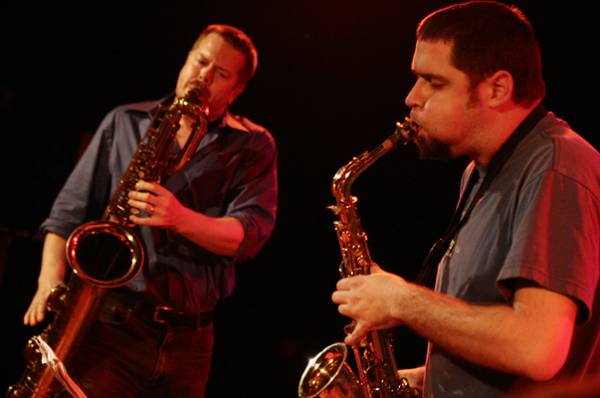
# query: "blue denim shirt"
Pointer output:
{"type": "Point", "coordinates": [232, 173]}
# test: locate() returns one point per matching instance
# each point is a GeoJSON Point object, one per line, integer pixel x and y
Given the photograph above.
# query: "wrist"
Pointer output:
{"type": "Point", "coordinates": [183, 217]}
{"type": "Point", "coordinates": [405, 303]}
{"type": "Point", "coordinates": [49, 283]}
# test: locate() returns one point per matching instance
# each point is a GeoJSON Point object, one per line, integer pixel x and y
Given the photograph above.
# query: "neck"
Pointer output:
{"type": "Point", "coordinates": [501, 125]}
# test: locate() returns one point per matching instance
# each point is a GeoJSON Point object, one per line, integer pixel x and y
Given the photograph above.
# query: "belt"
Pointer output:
{"type": "Point", "coordinates": [161, 314]}
{"type": "Point", "coordinates": [168, 316]}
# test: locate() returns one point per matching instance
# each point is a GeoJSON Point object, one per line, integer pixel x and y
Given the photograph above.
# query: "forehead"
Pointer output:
{"type": "Point", "coordinates": [214, 48]}
{"type": "Point", "coordinates": [433, 58]}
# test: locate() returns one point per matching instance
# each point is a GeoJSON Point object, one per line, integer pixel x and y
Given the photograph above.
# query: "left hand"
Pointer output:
{"type": "Point", "coordinates": [370, 300]}
{"type": "Point", "coordinates": [162, 207]}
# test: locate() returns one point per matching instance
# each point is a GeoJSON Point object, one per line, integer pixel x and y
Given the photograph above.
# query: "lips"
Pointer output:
{"type": "Point", "coordinates": [416, 126]}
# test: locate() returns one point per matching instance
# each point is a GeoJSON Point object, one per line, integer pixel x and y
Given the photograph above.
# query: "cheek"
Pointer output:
{"type": "Point", "coordinates": [445, 111]}
{"type": "Point", "coordinates": [223, 91]}
{"type": "Point", "coordinates": [445, 125]}
{"type": "Point", "coordinates": [181, 80]}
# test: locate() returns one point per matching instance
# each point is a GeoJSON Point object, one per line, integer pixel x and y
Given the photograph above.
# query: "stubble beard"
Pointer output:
{"type": "Point", "coordinates": [432, 149]}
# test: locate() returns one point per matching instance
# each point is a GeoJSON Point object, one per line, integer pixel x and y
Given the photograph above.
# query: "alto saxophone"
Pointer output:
{"type": "Point", "coordinates": [328, 375]}
{"type": "Point", "coordinates": [108, 253]}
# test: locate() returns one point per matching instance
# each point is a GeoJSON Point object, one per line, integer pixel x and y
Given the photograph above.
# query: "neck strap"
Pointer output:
{"type": "Point", "coordinates": [459, 218]}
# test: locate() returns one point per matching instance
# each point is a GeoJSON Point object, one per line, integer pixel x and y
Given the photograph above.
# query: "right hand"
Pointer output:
{"type": "Point", "coordinates": [52, 274]}
{"type": "Point", "coordinates": [371, 301]}
{"type": "Point", "coordinates": [38, 307]}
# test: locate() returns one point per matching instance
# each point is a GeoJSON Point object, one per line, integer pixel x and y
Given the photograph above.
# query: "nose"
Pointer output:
{"type": "Point", "coordinates": [416, 96]}
{"type": "Point", "coordinates": [411, 99]}
{"type": "Point", "coordinates": [206, 74]}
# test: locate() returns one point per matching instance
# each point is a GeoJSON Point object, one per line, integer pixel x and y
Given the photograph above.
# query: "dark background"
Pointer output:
{"type": "Point", "coordinates": [331, 83]}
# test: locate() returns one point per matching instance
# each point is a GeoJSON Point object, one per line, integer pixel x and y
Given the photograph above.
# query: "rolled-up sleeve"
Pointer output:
{"type": "Point", "coordinates": [255, 202]}
{"type": "Point", "coordinates": [85, 191]}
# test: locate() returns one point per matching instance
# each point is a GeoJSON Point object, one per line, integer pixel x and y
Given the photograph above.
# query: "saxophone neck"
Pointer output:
{"type": "Point", "coordinates": [344, 178]}
{"type": "Point", "coordinates": [347, 174]}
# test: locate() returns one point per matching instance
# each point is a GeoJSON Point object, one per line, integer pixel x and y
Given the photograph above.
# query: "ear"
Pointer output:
{"type": "Point", "coordinates": [500, 88]}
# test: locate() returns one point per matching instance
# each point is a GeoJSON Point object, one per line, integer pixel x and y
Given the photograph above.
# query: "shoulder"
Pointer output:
{"type": "Point", "coordinates": [573, 156]}
{"type": "Point", "coordinates": [136, 110]}
{"type": "Point", "coordinates": [555, 135]}
{"type": "Point", "coordinates": [145, 107]}
{"type": "Point", "coordinates": [554, 146]}
{"type": "Point", "coordinates": [245, 126]}
{"type": "Point", "coordinates": [126, 122]}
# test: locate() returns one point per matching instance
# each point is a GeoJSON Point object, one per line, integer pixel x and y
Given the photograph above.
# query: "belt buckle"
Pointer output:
{"type": "Point", "coordinates": [159, 309]}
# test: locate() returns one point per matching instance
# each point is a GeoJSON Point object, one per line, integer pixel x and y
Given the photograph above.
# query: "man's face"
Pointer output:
{"type": "Point", "coordinates": [442, 103]}
{"type": "Point", "coordinates": [214, 65]}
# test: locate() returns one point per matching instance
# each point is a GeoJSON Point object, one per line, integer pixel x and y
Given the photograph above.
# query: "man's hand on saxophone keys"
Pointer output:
{"type": "Point", "coordinates": [161, 207]}
{"type": "Point", "coordinates": [370, 300]}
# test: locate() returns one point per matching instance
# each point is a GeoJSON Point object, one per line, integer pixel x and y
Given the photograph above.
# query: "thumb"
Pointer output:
{"type": "Point", "coordinates": [357, 334]}
{"type": "Point", "coordinates": [375, 268]}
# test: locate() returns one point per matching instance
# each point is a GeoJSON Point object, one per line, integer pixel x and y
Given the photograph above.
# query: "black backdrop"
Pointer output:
{"type": "Point", "coordinates": [331, 83]}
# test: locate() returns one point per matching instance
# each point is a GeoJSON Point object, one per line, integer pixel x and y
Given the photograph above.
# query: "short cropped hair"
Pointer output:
{"type": "Point", "coordinates": [486, 37]}
{"type": "Point", "coordinates": [238, 40]}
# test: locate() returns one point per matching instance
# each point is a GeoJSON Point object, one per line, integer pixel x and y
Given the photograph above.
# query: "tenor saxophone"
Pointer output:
{"type": "Point", "coordinates": [328, 374]}
{"type": "Point", "coordinates": [108, 253]}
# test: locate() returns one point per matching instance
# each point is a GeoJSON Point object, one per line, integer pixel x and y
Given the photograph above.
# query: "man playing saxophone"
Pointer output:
{"type": "Point", "coordinates": [516, 299]}
{"type": "Point", "coordinates": [154, 336]}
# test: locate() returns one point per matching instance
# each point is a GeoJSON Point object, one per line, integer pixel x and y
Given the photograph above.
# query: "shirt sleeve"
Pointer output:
{"type": "Point", "coordinates": [556, 239]}
{"type": "Point", "coordinates": [87, 187]}
{"type": "Point", "coordinates": [254, 202]}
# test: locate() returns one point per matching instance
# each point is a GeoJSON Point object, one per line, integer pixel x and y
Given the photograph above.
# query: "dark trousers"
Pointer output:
{"type": "Point", "coordinates": [128, 355]}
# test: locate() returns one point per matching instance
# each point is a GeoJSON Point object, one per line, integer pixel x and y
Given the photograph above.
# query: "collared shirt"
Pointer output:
{"type": "Point", "coordinates": [232, 173]}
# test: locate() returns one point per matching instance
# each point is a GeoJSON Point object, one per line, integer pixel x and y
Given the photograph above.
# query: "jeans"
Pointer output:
{"type": "Point", "coordinates": [125, 356]}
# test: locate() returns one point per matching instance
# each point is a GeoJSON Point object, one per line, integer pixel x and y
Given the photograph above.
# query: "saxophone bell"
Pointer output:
{"type": "Point", "coordinates": [105, 254]}
{"type": "Point", "coordinates": [329, 375]}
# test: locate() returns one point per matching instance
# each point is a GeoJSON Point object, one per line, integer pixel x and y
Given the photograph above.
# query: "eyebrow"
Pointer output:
{"type": "Point", "coordinates": [204, 56]}
{"type": "Point", "coordinates": [430, 76]}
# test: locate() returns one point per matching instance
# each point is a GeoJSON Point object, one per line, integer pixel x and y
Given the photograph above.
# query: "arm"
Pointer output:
{"type": "Point", "coordinates": [52, 273]}
{"type": "Point", "coordinates": [82, 198]}
{"type": "Point", "coordinates": [250, 215]}
{"type": "Point", "coordinates": [530, 337]}
{"type": "Point", "coordinates": [220, 235]}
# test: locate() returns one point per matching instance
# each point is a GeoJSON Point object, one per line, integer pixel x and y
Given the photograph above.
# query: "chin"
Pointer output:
{"type": "Point", "coordinates": [432, 149]}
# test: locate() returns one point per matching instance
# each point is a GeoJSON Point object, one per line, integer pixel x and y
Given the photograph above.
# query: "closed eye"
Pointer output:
{"type": "Point", "coordinates": [434, 81]}
{"type": "Point", "coordinates": [223, 73]}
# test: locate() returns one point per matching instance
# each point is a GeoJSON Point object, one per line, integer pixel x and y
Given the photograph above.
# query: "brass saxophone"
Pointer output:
{"type": "Point", "coordinates": [108, 253]}
{"type": "Point", "coordinates": [328, 374]}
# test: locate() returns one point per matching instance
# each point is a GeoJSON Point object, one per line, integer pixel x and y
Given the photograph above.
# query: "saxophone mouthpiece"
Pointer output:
{"type": "Point", "coordinates": [407, 130]}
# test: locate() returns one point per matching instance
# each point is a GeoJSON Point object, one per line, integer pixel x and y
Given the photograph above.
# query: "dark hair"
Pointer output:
{"type": "Point", "coordinates": [486, 37]}
{"type": "Point", "coordinates": [238, 40]}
